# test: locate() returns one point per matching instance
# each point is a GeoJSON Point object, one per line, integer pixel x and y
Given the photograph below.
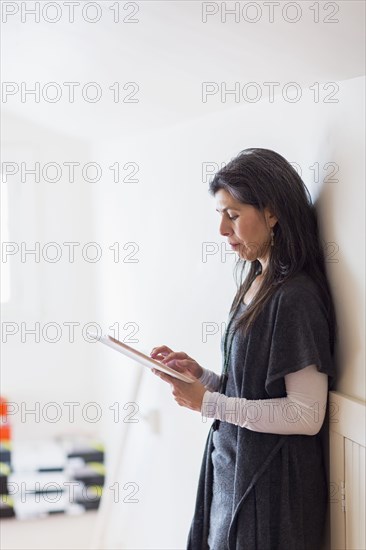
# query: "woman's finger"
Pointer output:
{"type": "Point", "coordinates": [163, 350]}
{"type": "Point", "coordinates": [183, 363]}
{"type": "Point", "coordinates": [175, 355]}
{"type": "Point", "coordinates": [186, 366]}
{"type": "Point", "coordinates": [174, 365]}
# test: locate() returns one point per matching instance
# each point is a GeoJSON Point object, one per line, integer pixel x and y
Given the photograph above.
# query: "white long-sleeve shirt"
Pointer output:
{"type": "Point", "coordinates": [301, 412]}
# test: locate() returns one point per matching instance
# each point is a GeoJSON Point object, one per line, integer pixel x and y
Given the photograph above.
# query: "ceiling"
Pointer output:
{"type": "Point", "coordinates": [169, 53]}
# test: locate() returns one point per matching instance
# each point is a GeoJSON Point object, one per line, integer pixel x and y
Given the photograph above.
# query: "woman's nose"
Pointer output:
{"type": "Point", "coordinates": [224, 228]}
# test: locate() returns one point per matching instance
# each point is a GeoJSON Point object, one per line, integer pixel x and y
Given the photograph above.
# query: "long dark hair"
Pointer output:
{"type": "Point", "coordinates": [263, 178]}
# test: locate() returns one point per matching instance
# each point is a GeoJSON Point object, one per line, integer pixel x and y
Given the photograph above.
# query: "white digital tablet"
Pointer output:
{"type": "Point", "coordinates": [138, 356]}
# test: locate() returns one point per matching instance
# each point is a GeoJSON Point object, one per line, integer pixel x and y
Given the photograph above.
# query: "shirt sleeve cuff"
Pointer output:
{"type": "Point", "coordinates": [210, 379]}
{"type": "Point", "coordinates": [209, 407]}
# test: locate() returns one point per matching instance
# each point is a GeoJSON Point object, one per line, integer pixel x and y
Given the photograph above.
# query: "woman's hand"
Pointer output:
{"type": "Point", "coordinates": [178, 361]}
{"type": "Point", "coordinates": [186, 394]}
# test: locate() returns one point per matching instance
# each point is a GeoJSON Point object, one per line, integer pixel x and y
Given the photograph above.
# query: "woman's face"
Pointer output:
{"type": "Point", "coordinates": [246, 227]}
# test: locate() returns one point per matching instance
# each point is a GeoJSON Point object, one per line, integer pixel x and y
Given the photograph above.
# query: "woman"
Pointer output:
{"type": "Point", "coordinates": [263, 482]}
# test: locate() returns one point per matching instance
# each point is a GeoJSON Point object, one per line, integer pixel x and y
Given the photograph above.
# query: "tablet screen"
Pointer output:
{"type": "Point", "coordinates": [138, 356]}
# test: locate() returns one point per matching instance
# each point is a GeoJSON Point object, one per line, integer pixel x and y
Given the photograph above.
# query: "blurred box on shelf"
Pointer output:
{"type": "Point", "coordinates": [63, 475]}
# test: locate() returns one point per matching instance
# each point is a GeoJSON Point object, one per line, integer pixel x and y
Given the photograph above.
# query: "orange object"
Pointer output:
{"type": "Point", "coordinates": [3, 407]}
{"type": "Point", "coordinates": [5, 428]}
{"type": "Point", "coordinates": [5, 432]}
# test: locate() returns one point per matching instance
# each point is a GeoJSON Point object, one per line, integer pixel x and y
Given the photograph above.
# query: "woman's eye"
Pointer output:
{"type": "Point", "coordinates": [233, 217]}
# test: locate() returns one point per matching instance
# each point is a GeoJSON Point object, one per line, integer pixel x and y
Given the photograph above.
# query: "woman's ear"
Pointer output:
{"type": "Point", "coordinates": [270, 217]}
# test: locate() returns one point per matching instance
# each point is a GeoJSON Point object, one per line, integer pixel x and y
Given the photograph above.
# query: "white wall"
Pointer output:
{"type": "Point", "coordinates": [36, 373]}
{"type": "Point", "coordinates": [171, 292]}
